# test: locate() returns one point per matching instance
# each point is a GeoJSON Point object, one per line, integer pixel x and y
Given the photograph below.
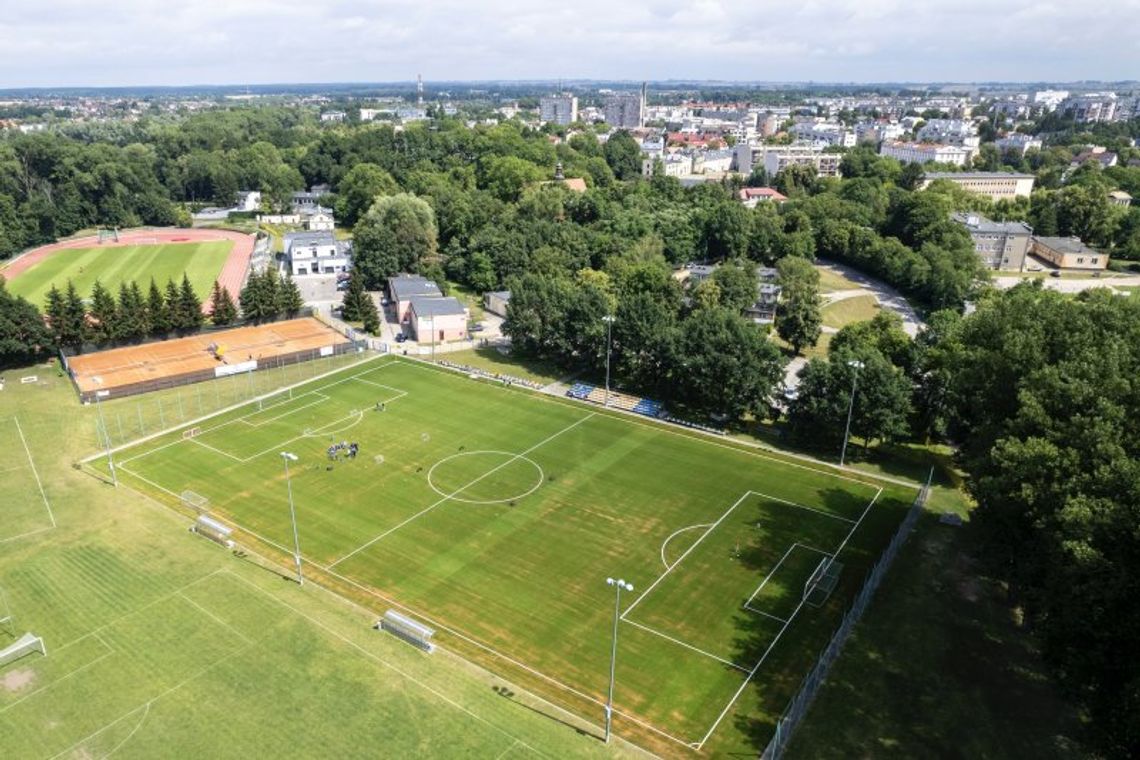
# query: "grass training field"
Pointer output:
{"type": "Point", "coordinates": [495, 515]}
{"type": "Point", "coordinates": [111, 265]}
{"type": "Point", "coordinates": [161, 644]}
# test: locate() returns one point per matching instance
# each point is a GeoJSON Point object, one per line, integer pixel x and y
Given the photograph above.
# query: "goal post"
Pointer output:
{"type": "Point", "coordinates": [111, 235]}
{"type": "Point", "coordinates": [25, 645]}
{"type": "Point", "coordinates": [196, 502]}
{"type": "Point", "coordinates": [274, 399]}
{"type": "Point", "coordinates": [822, 581]}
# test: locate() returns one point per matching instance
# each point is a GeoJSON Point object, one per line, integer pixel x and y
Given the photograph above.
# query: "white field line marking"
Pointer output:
{"type": "Point", "coordinates": [687, 645]}
{"type": "Point", "coordinates": [399, 393]}
{"type": "Point", "coordinates": [61, 679]}
{"type": "Point", "coordinates": [743, 447]}
{"type": "Point", "coordinates": [322, 398]}
{"type": "Point", "coordinates": [229, 409]}
{"type": "Point", "coordinates": [812, 548]}
{"type": "Point", "coordinates": [35, 472]}
{"type": "Point", "coordinates": [463, 488]}
{"type": "Point", "coordinates": [765, 614]}
{"type": "Point", "coordinates": [771, 572]}
{"type": "Point", "coordinates": [438, 625]}
{"type": "Point", "coordinates": [355, 416]}
{"type": "Point", "coordinates": [505, 752]}
{"type": "Point", "coordinates": [772, 645]}
{"type": "Point", "coordinates": [146, 711]}
{"type": "Point", "coordinates": [128, 737]}
{"type": "Point", "coordinates": [809, 509]}
{"type": "Point", "coordinates": [157, 600]}
{"type": "Point", "coordinates": [688, 551]}
{"type": "Point", "coordinates": [675, 534]}
{"type": "Point", "coordinates": [383, 662]}
{"type": "Point", "coordinates": [29, 534]}
{"type": "Point", "coordinates": [215, 618]}
{"type": "Point", "coordinates": [152, 700]}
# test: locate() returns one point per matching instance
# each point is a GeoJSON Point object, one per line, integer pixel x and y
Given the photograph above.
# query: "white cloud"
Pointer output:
{"type": "Point", "coordinates": [119, 42]}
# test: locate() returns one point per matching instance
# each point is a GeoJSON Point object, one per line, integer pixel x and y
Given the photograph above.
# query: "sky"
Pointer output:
{"type": "Point", "coordinates": [179, 42]}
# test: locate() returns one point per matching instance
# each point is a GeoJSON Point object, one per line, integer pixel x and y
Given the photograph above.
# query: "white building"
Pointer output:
{"type": "Point", "coordinates": [920, 153]}
{"type": "Point", "coordinates": [671, 165]}
{"type": "Point", "coordinates": [317, 253]}
{"type": "Point", "coordinates": [996, 185]}
{"type": "Point", "coordinates": [320, 220]}
{"type": "Point", "coordinates": [1048, 99]}
{"type": "Point", "coordinates": [1091, 107]}
{"type": "Point", "coordinates": [828, 133]}
{"type": "Point", "coordinates": [777, 157]}
{"type": "Point", "coordinates": [1016, 142]}
{"type": "Point", "coordinates": [558, 109]}
{"type": "Point", "coordinates": [248, 200]}
{"type": "Point", "coordinates": [334, 116]}
{"type": "Point", "coordinates": [950, 132]}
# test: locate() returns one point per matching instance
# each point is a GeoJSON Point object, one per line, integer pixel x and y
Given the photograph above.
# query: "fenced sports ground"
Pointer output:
{"type": "Point", "coordinates": [163, 364]}
{"type": "Point", "coordinates": [165, 254]}
{"type": "Point", "coordinates": [494, 516]}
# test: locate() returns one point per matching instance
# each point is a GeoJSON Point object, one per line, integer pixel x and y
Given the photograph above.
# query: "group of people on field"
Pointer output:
{"type": "Point", "coordinates": [344, 447]}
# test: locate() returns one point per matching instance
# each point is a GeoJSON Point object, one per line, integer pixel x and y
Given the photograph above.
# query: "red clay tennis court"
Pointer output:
{"type": "Point", "coordinates": [180, 361]}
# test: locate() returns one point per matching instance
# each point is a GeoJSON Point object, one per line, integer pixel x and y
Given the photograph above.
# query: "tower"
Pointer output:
{"type": "Point", "coordinates": [419, 89]}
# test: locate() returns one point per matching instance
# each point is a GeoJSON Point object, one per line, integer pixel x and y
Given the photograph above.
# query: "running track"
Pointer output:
{"type": "Point", "coordinates": [231, 278]}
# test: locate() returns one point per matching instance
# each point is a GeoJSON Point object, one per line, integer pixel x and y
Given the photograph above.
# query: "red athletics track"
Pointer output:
{"type": "Point", "coordinates": [231, 278]}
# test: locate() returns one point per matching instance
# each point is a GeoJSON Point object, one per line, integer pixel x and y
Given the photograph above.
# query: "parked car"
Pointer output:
{"type": "Point", "coordinates": [400, 337]}
{"type": "Point", "coordinates": [476, 328]}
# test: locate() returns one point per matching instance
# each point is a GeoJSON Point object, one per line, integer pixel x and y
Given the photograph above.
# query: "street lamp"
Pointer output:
{"type": "Point", "coordinates": [618, 585]}
{"type": "Point", "coordinates": [287, 457]}
{"type": "Point", "coordinates": [609, 320]}
{"type": "Point", "coordinates": [857, 365]}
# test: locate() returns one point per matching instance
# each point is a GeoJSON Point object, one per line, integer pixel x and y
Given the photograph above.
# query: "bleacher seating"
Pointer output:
{"type": "Point", "coordinates": [618, 400]}
{"type": "Point", "coordinates": [580, 390]}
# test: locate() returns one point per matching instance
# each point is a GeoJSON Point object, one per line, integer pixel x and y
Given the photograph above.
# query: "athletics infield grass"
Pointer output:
{"type": "Point", "coordinates": [495, 516]}
{"type": "Point", "coordinates": [112, 265]}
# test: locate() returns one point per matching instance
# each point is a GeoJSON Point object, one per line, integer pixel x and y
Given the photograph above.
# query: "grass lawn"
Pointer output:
{"type": "Point", "coordinates": [202, 262]}
{"type": "Point", "coordinates": [849, 310]}
{"type": "Point", "coordinates": [830, 281]}
{"type": "Point", "coordinates": [495, 515]}
{"type": "Point", "coordinates": [160, 643]}
{"type": "Point", "coordinates": [489, 358]}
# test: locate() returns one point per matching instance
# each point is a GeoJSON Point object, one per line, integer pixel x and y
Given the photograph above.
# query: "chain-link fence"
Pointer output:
{"type": "Point", "coordinates": [800, 703]}
{"type": "Point", "coordinates": [123, 420]}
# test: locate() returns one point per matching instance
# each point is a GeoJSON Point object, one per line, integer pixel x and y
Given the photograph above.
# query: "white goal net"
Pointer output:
{"type": "Point", "coordinates": [195, 501]}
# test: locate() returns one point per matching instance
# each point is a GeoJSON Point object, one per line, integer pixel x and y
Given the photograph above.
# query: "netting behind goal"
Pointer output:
{"type": "Point", "coordinates": [275, 399]}
{"type": "Point", "coordinates": [195, 501]}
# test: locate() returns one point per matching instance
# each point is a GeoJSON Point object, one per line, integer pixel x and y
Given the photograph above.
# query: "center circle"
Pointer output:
{"type": "Point", "coordinates": [469, 469]}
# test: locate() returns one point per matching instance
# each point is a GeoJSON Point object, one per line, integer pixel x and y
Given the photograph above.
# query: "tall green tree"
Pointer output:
{"type": "Point", "coordinates": [157, 311]}
{"type": "Point", "coordinates": [103, 314]}
{"type": "Point", "coordinates": [359, 189]}
{"type": "Point", "coordinates": [73, 330]}
{"type": "Point", "coordinates": [397, 234]}
{"type": "Point", "coordinates": [223, 310]}
{"type": "Point", "coordinates": [23, 335]}
{"type": "Point", "coordinates": [290, 297]}
{"type": "Point", "coordinates": [799, 317]}
{"type": "Point", "coordinates": [623, 155]}
{"type": "Point", "coordinates": [130, 316]}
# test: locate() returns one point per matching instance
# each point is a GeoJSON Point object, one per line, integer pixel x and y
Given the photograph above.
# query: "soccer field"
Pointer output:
{"type": "Point", "coordinates": [495, 516]}
{"type": "Point", "coordinates": [112, 265]}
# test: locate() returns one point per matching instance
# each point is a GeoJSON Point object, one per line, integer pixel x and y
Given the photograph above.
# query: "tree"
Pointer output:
{"type": "Point", "coordinates": [623, 155]}
{"type": "Point", "coordinates": [157, 312]}
{"type": "Point", "coordinates": [738, 284]}
{"type": "Point", "coordinates": [799, 317]}
{"type": "Point", "coordinates": [396, 235]}
{"type": "Point", "coordinates": [223, 310]}
{"type": "Point", "coordinates": [291, 300]}
{"type": "Point", "coordinates": [725, 364]}
{"type": "Point", "coordinates": [130, 318]}
{"type": "Point", "coordinates": [23, 335]}
{"type": "Point", "coordinates": [359, 189]}
{"type": "Point", "coordinates": [911, 176]}
{"type": "Point", "coordinates": [103, 314]}
{"type": "Point", "coordinates": [175, 316]}
{"type": "Point", "coordinates": [728, 230]}
{"type": "Point", "coordinates": [352, 307]}
{"type": "Point", "coordinates": [189, 306]}
{"type": "Point", "coordinates": [73, 325]}
{"type": "Point", "coordinates": [55, 311]}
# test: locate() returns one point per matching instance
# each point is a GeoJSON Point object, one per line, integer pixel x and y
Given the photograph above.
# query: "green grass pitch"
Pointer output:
{"type": "Point", "coordinates": [202, 263]}
{"type": "Point", "coordinates": [495, 515]}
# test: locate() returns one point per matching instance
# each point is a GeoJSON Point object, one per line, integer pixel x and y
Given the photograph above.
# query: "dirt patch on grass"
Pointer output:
{"type": "Point", "coordinates": [17, 680]}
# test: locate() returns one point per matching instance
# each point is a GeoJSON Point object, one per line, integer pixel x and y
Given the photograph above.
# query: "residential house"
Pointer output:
{"type": "Point", "coordinates": [753, 196]}
{"type": "Point", "coordinates": [311, 253]}
{"type": "Point", "coordinates": [403, 288]}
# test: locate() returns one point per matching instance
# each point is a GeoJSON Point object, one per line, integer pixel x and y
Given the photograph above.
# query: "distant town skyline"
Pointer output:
{"type": "Point", "coordinates": [60, 43]}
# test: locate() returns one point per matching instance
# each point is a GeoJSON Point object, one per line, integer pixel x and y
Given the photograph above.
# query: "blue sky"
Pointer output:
{"type": "Point", "coordinates": [157, 42]}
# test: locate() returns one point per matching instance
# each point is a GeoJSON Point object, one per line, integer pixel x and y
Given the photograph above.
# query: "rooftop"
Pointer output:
{"type": "Point", "coordinates": [1065, 244]}
{"type": "Point", "coordinates": [979, 223]}
{"type": "Point", "coordinates": [427, 306]}
{"type": "Point", "coordinates": [977, 175]}
{"type": "Point", "coordinates": [309, 238]}
{"type": "Point", "coordinates": [407, 286]}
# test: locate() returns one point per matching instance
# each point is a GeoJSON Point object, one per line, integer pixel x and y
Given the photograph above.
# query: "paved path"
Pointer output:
{"type": "Point", "coordinates": [1074, 285]}
{"type": "Point", "coordinates": [888, 297]}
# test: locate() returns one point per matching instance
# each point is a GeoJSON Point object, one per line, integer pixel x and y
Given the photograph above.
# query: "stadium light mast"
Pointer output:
{"type": "Point", "coordinates": [856, 365]}
{"type": "Point", "coordinates": [287, 457]}
{"type": "Point", "coordinates": [609, 320]}
{"type": "Point", "coordinates": [618, 585]}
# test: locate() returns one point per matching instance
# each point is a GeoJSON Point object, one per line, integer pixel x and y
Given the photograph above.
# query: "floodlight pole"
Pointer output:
{"type": "Point", "coordinates": [287, 457]}
{"type": "Point", "coordinates": [609, 320]}
{"type": "Point", "coordinates": [857, 365]}
{"type": "Point", "coordinates": [618, 585]}
{"type": "Point", "coordinates": [106, 441]}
